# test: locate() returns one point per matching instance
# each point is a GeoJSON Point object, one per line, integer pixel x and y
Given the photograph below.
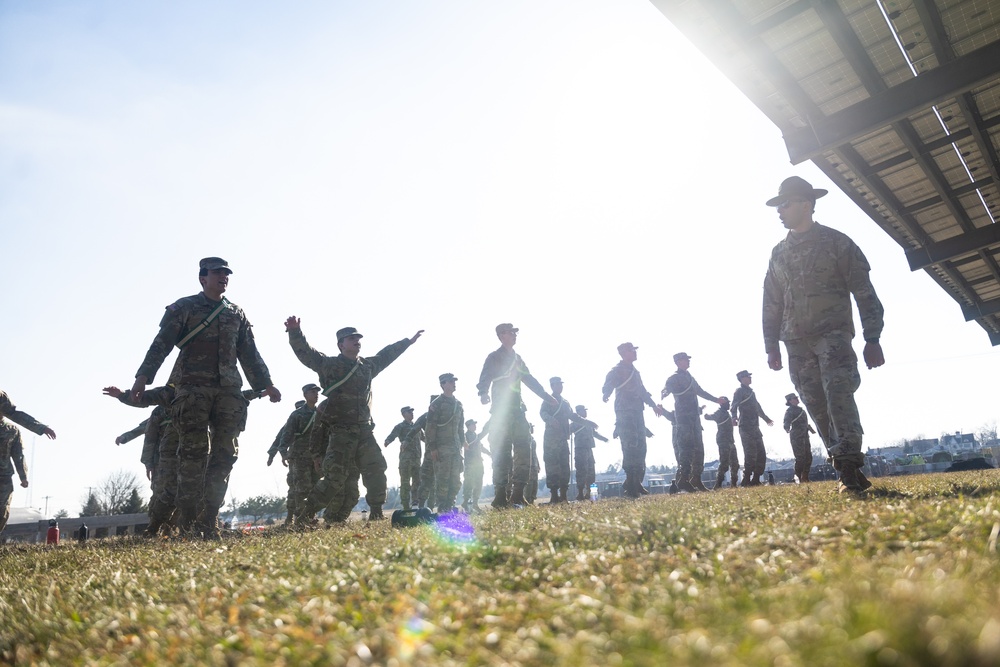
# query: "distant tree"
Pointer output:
{"type": "Point", "coordinates": [117, 494]}
{"type": "Point", "coordinates": [61, 514]}
{"type": "Point", "coordinates": [987, 434]}
{"type": "Point", "coordinates": [91, 506]}
{"type": "Point", "coordinates": [135, 505]}
{"type": "Point", "coordinates": [259, 507]}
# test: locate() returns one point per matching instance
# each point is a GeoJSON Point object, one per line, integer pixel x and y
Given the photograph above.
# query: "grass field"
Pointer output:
{"type": "Point", "coordinates": [789, 575]}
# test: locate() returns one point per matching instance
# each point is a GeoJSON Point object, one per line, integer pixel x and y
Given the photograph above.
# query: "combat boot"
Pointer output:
{"type": "Point", "coordinates": [734, 476]}
{"type": "Point", "coordinates": [554, 497]}
{"type": "Point", "coordinates": [517, 496]}
{"type": "Point", "coordinates": [850, 481]}
{"type": "Point", "coordinates": [685, 486]}
{"type": "Point", "coordinates": [719, 479]}
{"type": "Point", "coordinates": [804, 477]}
{"type": "Point", "coordinates": [865, 484]}
{"type": "Point", "coordinates": [376, 514]}
{"type": "Point", "coordinates": [564, 494]}
{"type": "Point", "coordinates": [208, 524]}
{"type": "Point", "coordinates": [581, 494]}
{"type": "Point", "coordinates": [698, 484]}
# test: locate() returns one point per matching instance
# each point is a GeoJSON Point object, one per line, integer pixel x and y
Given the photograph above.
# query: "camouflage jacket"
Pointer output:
{"type": "Point", "coordinates": [410, 435]}
{"type": "Point", "coordinates": [8, 410]}
{"type": "Point", "coordinates": [725, 422]}
{"type": "Point", "coordinates": [630, 394]}
{"type": "Point", "coordinates": [808, 288]}
{"type": "Point", "coordinates": [156, 430]}
{"type": "Point", "coordinates": [209, 359]}
{"type": "Point", "coordinates": [275, 447]}
{"type": "Point", "coordinates": [746, 405]}
{"type": "Point", "coordinates": [295, 434]}
{"type": "Point", "coordinates": [796, 422]}
{"type": "Point", "coordinates": [349, 403]}
{"type": "Point", "coordinates": [501, 378]}
{"type": "Point", "coordinates": [686, 391]}
{"type": "Point", "coordinates": [11, 451]}
{"type": "Point", "coordinates": [445, 421]}
{"type": "Point", "coordinates": [129, 436]}
{"type": "Point", "coordinates": [584, 435]}
{"type": "Point", "coordinates": [558, 417]}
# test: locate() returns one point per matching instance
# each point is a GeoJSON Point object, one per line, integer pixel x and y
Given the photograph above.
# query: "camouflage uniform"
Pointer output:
{"type": "Point", "coordinates": [319, 497]}
{"type": "Point", "coordinates": [427, 482]}
{"type": "Point", "coordinates": [749, 413]}
{"type": "Point", "coordinates": [445, 418]}
{"type": "Point", "coordinates": [555, 445]}
{"type": "Point", "coordinates": [503, 373]}
{"type": "Point", "coordinates": [797, 427]}
{"type": "Point", "coordinates": [207, 397]}
{"type": "Point", "coordinates": [534, 468]}
{"type": "Point", "coordinates": [129, 436]}
{"type": "Point", "coordinates": [728, 458]}
{"type": "Point", "coordinates": [346, 414]}
{"type": "Point", "coordinates": [410, 436]}
{"type": "Point", "coordinates": [630, 398]}
{"type": "Point", "coordinates": [11, 451]}
{"type": "Point", "coordinates": [583, 445]}
{"type": "Point", "coordinates": [688, 443]}
{"type": "Point", "coordinates": [23, 419]}
{"type": "Point", "coordinates": [472, 486]}
{"type": "Point", "coordinates": [302, 475]}
{"type": "Point", "coordinates": [807, 304]}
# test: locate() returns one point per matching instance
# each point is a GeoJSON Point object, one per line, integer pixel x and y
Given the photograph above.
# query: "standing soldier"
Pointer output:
{"type": "Point", "coordinates": [807, 304]}
{"type": "Point", "coordinates": [347, 415]}
{"type": "Point", "coordinates": [296, 454]}
{"type": "Point", "coordinates": [212, 335]}
{"type": "Point", "coordinates": [555, 441]}
{"type": "Point", "coordinates": [631, 397]}
{"type": "Point", "coordinates": [8, 410]}
{"type": "Point", "coordinates": [473, 480]}
{"type": "Point", "coordinates": [445, 417]}
{"type": "Point", "coordinates": [746, 413]}
{"type": "Point", "coordinates": [728, 460]}
{"type": "Point", "coordinates": [11, 452]}
{"type": "Point", "coordinates": [583, 446]}
{"type": "Point", "coordinates": [798, 428]}
{"type": "Point", "coordinates": [502, 375]}
{"type": "Point", "coordinates": [409, 456]}
{"type": "Point", "coordinates": [427, 488]}
{"type": "Point", "coordinates": [688, 443]}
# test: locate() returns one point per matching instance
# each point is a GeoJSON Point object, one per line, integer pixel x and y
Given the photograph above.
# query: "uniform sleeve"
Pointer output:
{"type": "Point", "coordinates": [486, 377]}
{"type": "Point", "coordinates": [168, 335]}
{"type": "Point", "coordinates": [600, 437]}
{"type": "Point", "coordinates": [276, 445]}
{"type": "Point", "coordinates": [310, 358]}
{"type": "Point", "coordinates": [609, 384]}
{"type": "Point", "coordinates": [704, 394]}
{"type": "Point", "coordinates": [17, 456]}
{"type": "Point", "coordinates": [8, 410]}
{"type": "Point", "coordinates": [129, 436]}
{"type": "Point", "coordinates": [529, 380]}
{"type": "Point", "coordinates": [393, 434]}
{"type": "Point", "coordinates": [387, 355]}
{"type": "Point", "coordinates": [760, 410]}
{"type": "Point", "coordinates": [857, 274]}
{"type": "Point", "coordinates": [151, 438]}
{"type": "Point", "coordinates": [251, 362]}
{"type": "Point", "coordinates": [773, 310]}
{"type": "Point", "coordinates": [288, 434]}
{"type": "Point", "coordinates": [787, 422]}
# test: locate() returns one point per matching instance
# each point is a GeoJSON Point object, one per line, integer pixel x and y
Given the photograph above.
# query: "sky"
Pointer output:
{"type": "Point", "coordinates": [575, 167]}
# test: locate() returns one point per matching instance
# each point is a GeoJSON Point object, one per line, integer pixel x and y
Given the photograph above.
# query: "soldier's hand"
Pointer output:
{"type": "Point", "coordinates": [605, 399]}
{"type": "Point", "coordinates": [484, 399]}
{"type": "Point", "coordinates": [284, 461]}
{"type": "Point", "coordinates": [49, 433]}
{"type": "Point", "coordinates": [119, 440]}
{"type": "Point", "coordinates": [273, 393]}
{"type": "Point", "coordinates": [270, 459]}
{"type": "Point", "coordinates": [138, 388]}
{"type": "Point", "coordinates": [664, 393]}
{"type": "Point", "coordinates": [24, 483]}
{"type": "Point", "coordinates": [770, 423]}
{"type": "Point", "coordinates": [113, 392]}
{"type": "Point", "coordinates": [293, 323]}
{"type": "Point", "coordinates": [873, 355]}
{"type": "Point", "coordinates": [774, 360]}
{"type": "Point", "coordinates": [416, 336]}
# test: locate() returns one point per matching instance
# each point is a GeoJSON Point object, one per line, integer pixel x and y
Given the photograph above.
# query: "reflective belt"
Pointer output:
{"type": "Point", "coordinates": [204, 323]}
{"type": "Point", "coordinates": [329, 390]}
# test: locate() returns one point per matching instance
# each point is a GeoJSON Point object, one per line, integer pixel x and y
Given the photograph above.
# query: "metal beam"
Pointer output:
{"type": "Point", "coordinates": [956, 246]}
{"type": "Point", "coordinates": [984, 309]}
{"type": "Point", "coordinates": [941, 83]}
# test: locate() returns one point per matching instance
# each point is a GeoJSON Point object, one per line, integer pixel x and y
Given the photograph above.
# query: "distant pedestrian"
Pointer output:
{"type": "Point", "coordinates": [746, 413]}
{"type": "Point", "coordinates": [584, 437]}
{"type": "Point", "coordinates": [687, 430]}
{"type": "Point", "coordinates": [798, 428]}
{"type": "Point", "coordinates": [728, 458]}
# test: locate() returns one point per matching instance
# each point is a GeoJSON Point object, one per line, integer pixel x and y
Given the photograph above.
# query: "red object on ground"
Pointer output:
{"type": "Point", "coordinates": [52, 536]}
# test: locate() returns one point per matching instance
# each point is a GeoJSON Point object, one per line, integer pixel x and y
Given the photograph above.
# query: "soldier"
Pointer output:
{"type": "Point", "coordinates": [798, 428]}
{"type": "Point", "coordinates": [631, 397]}
{"type": "Point", "coordinates": [534, 468]}
{"type": "Point", "coordinates": [503, 373]}
{"type": "Point", "coordinates": [212, 334]}
{"type": "Point", "coordinates": [728, 459]}
{"type": "Point", "coordinates": [473, 479]}
{"type": "Point", "coordinates": [746, 413]}
{"type": "Point", "coordinates": [295, 453]}
{"type": "Point", "coordinates": [427, 487]}
{"type": "Point", "coordinates": [8, 410]}
{"type": "Point", "coordinates": [11, 452]}
{"type": "Point", "coordinates": [347, 415]}
{"type": "Point", "coordinates": [807, 304]}
{"type": "Point", "coordinates": [688, 443]}
{"type": "Point", "coordinates": [555, 441]}
{"type": "Point", "coordinates": [445, 417]}
{"type": "Point", "coordinates": [409, 456]}
{"type": "Point", "coordinates": [583, 448]}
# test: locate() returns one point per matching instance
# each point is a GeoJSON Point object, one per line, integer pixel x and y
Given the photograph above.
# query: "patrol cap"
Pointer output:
{"type": "Point", "coordinates": [724, 398]}
{"type": "Point", "coordinates": [212, 263]}
{"type": "Point", "coordinates": [793, 186]}
{"type": "Point", "coordinates": [446, 377]}
{"type": "Point", "coordinates": [681, 355]}
{"type": "Point", "coordinates": [581, 408]}
{"type": "Point", "coordinates": [310, 387]}
{"type": "Point", "coordinates": [506, 326]}
{"type": "Point", "coordinates": [469, 422]}
{"type": "Point", "coordinates": [347, 331]}
{"type": "Point", "coordinates": [788, 399]}
{"type": "Point", "coordinates": [405, 409]}
{"type": "Point", "coordinates": [554, 379]}
{"type": "Point", "coordinates": [742, 374]}
{"type": "Point", "coordinates": [299, 404]}
{"type": "Point", "coordinates": [627, 346]}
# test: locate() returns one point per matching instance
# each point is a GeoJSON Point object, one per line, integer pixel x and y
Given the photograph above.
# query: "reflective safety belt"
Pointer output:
{"type": "Point", "coordinates": [204, 323]}
{"type": "Point", "coordinates": [329, 390]}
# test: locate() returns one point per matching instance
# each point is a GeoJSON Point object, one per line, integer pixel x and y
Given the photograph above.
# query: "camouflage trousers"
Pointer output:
{"type": "Point", "coordinates": [350, 448]}
{"type": "Point", "coordinates": [690, 450]}
{"type": "Point", "coordinates": [586, 473]}
{"type": "Point", "coordinates": [510, 443]}
{"type": "Point", "coordinates": [802, 450]}
{"type": "Point", "coordinates": [409, 477]}
{"type": "Point", "coordinates": [425, 492]}
{"type": "Point", "coordinates": [204, 464]}
{"type": "Point", "coordinates": [728, 458]}
{"type": "Point", "coordinates": [447, 475]}
{"type": "Point", "coordinates": [631, 429]}
{"type": "Point", "coordinates": [754, 454]}
{"type": "Point", "coordinates": [534, 468]}
{"type": "Point", "coordinates": [555, 455]}
{"type": "Point", "coordinates": [6, 493]}
{"type": "Point", "coordinates": [472, 487]}
{"type": "Point", "coordinates": [163, 501]}
{"type": "Point", "coordinates": [824, 370]}
{"type": "Point", "coordinates": [318, 499]}
{"type": "Point", "coordinates": [302, 477]}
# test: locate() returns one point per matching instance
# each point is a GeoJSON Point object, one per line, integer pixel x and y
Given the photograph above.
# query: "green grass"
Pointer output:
{"type": "Point", "coordinates": [767, 576]}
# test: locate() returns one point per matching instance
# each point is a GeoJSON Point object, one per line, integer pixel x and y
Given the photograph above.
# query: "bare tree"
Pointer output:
{"type": "Point", "coordinates": [117, 494]}
{"type": "Point", "coordinates": [987, 434]}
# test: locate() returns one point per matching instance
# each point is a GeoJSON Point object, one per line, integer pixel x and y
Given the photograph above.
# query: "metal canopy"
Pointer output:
{"type": "Point", "coordinates": [898, 102]}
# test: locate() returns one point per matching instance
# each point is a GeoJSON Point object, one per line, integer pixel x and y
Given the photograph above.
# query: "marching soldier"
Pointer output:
{"type": "Point", "coordinates": [583, 447]}
{"type": "Point", "coordinates": [728, 459]}
{"type": "Point", "coordinates": [409, 437]}
{"type": "Point", "coordinates": [798, 428]}
{"type": "Point", "coordinates": [746, 413]}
